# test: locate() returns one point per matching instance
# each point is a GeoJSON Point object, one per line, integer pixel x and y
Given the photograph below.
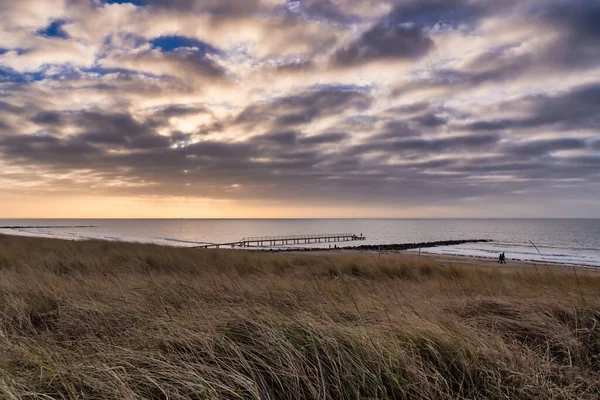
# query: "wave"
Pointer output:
{"type": "Point", "coordinates": [517, 254]}
{"type": "Point", "coordinates": [182, 241]}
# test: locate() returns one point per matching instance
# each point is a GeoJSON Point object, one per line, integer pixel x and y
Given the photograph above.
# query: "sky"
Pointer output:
{"type": "Point", "coordinates": [299, 108]}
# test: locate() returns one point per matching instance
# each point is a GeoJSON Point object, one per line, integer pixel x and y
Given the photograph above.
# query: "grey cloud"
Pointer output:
{"type": "Point", "coordinates": [578, 21]}
{"type": "Point", "coordinates": [478, 73]}
{"type": "Point", "coordinates": [178, 110]}
{"type": "Point", "coordinates": [9, 108]}
{"type": "Point", "coordinates": [211, 128]}
{"type": "Point", "coordinates": [432, 12]}
{"type": "Point", "coordinates": [197, 63]}
{"type": "Point", "coordinates": [296, 66]}
{"type": "Point", "coordinates": [51, 118]}
{"type": "Point", "coordinates": [574, 24]}
{"type": "Point", "coordinates": [533, 148]}
{"type": "Point", "coordinates": [324, 138]}
{"type": "Point", "coordinates": [575, 109]}
{"type": "Point", "coordinates": [395, 129]}
{"type": "Point", "coordinates": [48, 150]}
{"type": "Point", "coordinates": [384, 42]}
{"type": "Point", "coordinates": [181, 138]}
{"type": "Point", "coordinates": [162, 116]}
{"type": "Point", "coordinates": [183, 62]}
{"type": "Point", "coordinates": [408, 109]}
{"type": "Point", "coordinates": [214, 149]}
{"type": "Point", "coordinates": [4, 126]}
{"type": "Point", "coordinates": [430, 120]}
{"type": "Point", "coordinates": [437, 145]}
{"type": "Point", "coordinates": [305, 107]}
{"type": "Point", "coordinates": [292, 139]}
{"type": "Point", "coordinates": [119, 130]}
{"type": "Point", "coordinates": [453, 143]}
{"type": "Point", "coordinates": [327, 10]}
{"type": "Point", "coordinates": [283, 138]}
{"type": "Point", "coordinates": [215, 7]}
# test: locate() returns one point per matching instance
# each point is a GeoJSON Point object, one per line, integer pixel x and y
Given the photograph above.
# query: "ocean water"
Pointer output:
{"type": "Point", "coordinates": [569, 241]}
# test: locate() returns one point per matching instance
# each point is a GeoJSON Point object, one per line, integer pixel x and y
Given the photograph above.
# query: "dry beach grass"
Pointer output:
{"type": "Point", "coordinates": [96, 320]}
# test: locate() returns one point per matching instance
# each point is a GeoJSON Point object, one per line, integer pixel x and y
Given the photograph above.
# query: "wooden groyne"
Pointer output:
{"type": "Point", "coordinates": [410, 246]}
{"type": "Point", "coordinates": [388, 247]}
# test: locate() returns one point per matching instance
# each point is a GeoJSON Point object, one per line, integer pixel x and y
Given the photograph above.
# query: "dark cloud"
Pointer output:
{"type": "Point", "coordinates": [181, 138]}
{"type": "Point", "coordinates": [385, 42]}
{"type": "Point", "coordinates": [395, 129]}
{"type": "Point", "coordinates": [533, 148]}
{"type": "Point", "coordinates": [432, 12]}
{"type": "Point", "coordinates": [178, 110]}
{"type": "Point", "coordinates": [437, 145]}
{"type": "Point", "coordinates": [575, 109]}
{"type": "Point", "coordinates": [304, 107]}
{"type": "Point", "coordinates": [9, 108]}
{"type": "Point", "coordinates": [217, 7]}
{"type": "Point", "coordinates": [325, 138]}
{"type": "Point", "coordinates": [430, 120]}
{"type": "Point", "coordinates": [572, 25]}
{"type": "Point", "coordinates": [326, 10]}
{"type": "Point", "coordinates": [296, 66]}
{"type": "Point", "coordinates": [577, 21]}
{"type": "Point", "coordinates": [49, 150]}
{"type": "Point", "coordinates": [291, 139]}
{"type": "Point", "coordinates": [4, 126]}
{"type": "Point", "coordinates": [50, 118]}
{"type": "Point", "coordinates": [195, 62]}
{"type": "Point", "coordinates": [181, 62]}
{"type": "Point", "coordinates": [215, 127]}
{"type": "Point", "coordinates": [117, 130]}
{"type": "Point", "coordinates": [492, 67]}
{"type": "Point", "coordinates": [283, 138]}
{"type": "Point", "coordinates": [408, 109]}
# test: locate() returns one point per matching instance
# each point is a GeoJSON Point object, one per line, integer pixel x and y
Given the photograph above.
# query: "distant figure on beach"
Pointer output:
{"type": "Point", "coordinates": [502, 258]}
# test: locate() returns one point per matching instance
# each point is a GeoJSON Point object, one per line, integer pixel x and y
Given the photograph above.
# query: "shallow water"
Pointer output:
{"type": "Point", "coordinates": [571, 241]}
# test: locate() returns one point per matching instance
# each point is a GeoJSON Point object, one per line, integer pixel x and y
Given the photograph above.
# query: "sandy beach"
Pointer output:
{"type": "Point", "coordinates": [449, 260]}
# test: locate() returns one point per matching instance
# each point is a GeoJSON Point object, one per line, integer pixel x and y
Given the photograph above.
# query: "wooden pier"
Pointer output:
{"type": "Point", "coordinates": [273, 241]}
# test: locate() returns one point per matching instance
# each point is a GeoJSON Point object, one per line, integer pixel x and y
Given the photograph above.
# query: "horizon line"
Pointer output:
{"type": "Point", "coordinates": [284, 218]}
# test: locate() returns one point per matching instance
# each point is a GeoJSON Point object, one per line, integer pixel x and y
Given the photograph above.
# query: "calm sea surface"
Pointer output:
{"type": "Point", "coordinates": [575, 241]}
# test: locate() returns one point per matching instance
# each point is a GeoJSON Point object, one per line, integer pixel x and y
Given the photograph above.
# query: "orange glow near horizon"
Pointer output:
{"type": "Point", "coordinates": [56, 207]}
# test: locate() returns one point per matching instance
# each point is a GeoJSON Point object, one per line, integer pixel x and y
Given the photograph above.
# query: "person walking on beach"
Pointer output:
{"type": "Point", "coordinates": [502, 258]}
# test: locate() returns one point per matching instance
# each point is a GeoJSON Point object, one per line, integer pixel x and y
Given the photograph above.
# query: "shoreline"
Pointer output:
{"type": "Point", "coordinates": [493, 262]}
{"type": "Point", "coordinates": [454, 258]}
{"type": "Point", "coordinates": [408, 251]}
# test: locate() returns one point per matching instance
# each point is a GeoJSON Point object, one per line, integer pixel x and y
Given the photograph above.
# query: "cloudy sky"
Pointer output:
{"type": "Point", "coordinates": [299, 108]}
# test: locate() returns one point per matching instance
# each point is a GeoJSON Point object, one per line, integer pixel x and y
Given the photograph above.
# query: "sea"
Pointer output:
{"type": "Point", "coordinates": [565, 241]}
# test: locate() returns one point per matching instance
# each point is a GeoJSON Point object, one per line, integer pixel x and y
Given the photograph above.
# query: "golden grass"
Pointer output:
{"type": "Point", "coordinates": [97, 320]}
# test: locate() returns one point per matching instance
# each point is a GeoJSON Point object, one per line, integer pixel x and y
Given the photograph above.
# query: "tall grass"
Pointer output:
{"type": "Point", "coordinates": [99, 320]}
